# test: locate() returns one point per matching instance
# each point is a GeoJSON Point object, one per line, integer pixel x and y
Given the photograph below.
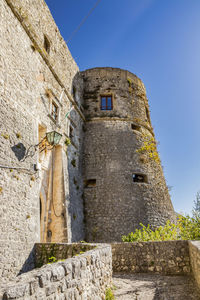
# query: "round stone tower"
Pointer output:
{"type": "Point", "coordinates": [123, 178]}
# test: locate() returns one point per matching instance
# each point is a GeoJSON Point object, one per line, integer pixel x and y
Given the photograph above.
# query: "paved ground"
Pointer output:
{"type": "Point", "coordinates": [154, 287]}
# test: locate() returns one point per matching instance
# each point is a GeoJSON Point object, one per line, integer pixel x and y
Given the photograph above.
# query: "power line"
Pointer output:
{"type": "Point", "coordinates": [83, 21]}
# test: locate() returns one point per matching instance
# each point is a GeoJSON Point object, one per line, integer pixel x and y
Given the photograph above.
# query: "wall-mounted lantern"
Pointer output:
{"type": "Point", "coordinates": [53, 138]}
{"type": "Point", "coordinates": [50, 140]}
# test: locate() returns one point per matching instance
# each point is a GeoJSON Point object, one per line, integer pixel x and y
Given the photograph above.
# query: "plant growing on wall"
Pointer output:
{"type": "Point", "coordinates": [67, 143]}
{"type": "Point", "coordinates": [149, 148]}
{"type": "Point", "coordinates": [109, 294]}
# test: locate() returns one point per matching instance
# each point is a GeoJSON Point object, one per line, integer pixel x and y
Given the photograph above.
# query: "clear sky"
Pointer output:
{"type": "Point", "coordinates": [159, 41]}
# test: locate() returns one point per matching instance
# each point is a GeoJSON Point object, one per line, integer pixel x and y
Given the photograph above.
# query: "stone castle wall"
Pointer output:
{"type": "Point", "coordinates": [45, 196]}
{"type": "Point", "coordinates": [114, 204]}
{"type": "Point", "coordinates": [31, 80]}
{"type": "Point", "coordinates": [85, 276]}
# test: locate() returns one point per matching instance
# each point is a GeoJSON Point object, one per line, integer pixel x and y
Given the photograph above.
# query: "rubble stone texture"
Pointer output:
{"type": "Point", "coordinates": [116, 205]}
{"type": "Point", "coordinates": [43, 205]}
{"type": "Point", "coordinates": [167, 258]}
{"type": "Point", "coordinates": [44, 195]}
{"type": "Point", "coordinates": [85, 276]}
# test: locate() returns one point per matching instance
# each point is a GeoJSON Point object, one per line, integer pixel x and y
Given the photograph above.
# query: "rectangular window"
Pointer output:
{"type": "Point", "coordinates": [106, 103]}
{"type": "Point", "coordinates": [140, 178]}
{"type": "Point", "coordinates": [135, 127]}
{"type": "Point", "coordinates": [90, 183]}
{"type": "Point", "coordinates": [54, 111]}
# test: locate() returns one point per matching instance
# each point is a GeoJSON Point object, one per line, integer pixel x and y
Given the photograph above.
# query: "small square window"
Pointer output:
{"type": "Point", "coordinates": [54, 111]}
{"type": "Point", "coordinates": [106, 103]}
{"type": "Point", "coordinates": [135, 127]}
{"type": "Point", "coordinates": [90, 183]}
{"type": "Point", "coordinates": [140, 178]}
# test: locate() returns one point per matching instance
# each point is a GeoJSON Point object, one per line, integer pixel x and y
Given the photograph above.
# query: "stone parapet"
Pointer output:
{"type": "Point", "coordinates": [167, 258]}
{"type": "Point", "coordinates": [194, 249]}
{"type": "Point", "coordinates": [85, 276]}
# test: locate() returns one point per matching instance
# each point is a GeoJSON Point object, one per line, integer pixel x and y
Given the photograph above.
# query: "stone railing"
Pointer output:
{"type": "Point", "coordinates": [85, 276]}
{"type": "Point", "coordinates": [170, 257]}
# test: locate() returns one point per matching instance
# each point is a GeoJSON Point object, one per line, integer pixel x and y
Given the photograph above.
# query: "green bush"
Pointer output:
{"type": "Point", "coordinates": [109, 295]}
{"type": "Point", "coordinates": [187, 228]}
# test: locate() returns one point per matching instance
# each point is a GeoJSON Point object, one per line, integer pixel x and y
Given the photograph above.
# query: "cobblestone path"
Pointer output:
{"type": "Point", "coordinates": [154, 287]}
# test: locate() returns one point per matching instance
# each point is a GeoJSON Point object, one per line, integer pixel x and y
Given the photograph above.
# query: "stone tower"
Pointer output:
{"type": "Point", "coordinates": [123, 178]}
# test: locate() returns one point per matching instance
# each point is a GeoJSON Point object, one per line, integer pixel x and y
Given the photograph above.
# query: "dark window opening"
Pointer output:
{"type": "Point", "coordinates": [106, 103]}
{"type": "Point", "coordinates": [135, 127]}
{"type": "Point", "coordinates": [147, 114]}
{"type": "Point", "coordinates": [40, 209]}
{"type": "Point", "coordinates": [46, 44]}
{"type": "Point", "coordinates": [74, 92]}
{"type": "Point", "coordinates": [90, 183]}
{"type": "Point", "coordinates": [49, 233]}
{"type": "Point", "coordinates": [54, 111]}
{"type": "Point", "coordinates": [71, 132]}
{"type": "Point", "coordinates": [140, 178]}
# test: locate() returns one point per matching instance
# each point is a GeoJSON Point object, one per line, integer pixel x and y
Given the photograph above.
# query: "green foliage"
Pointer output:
{"type": "Point", "coordinates": [5, 135]}
{"type": "Point", "coordinates": [149, 148]}
{"type": "Point", "coordinates": [109, 294]}
{"type": "Point", "coordinates": [187, 228]}
{"type": "Point", "coordinates": [52, 259]}
{"type": "Point", "coordinates": [67, 141]}
{"type": "Point", "coordinates": [18, 135]}
{"type": "Point", "coordinates": [196, 208]}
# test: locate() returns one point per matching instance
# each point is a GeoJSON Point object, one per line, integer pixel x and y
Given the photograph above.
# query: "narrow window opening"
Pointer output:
{"type": "Point", "coordinates": [54, 111]}
{"type": "Point", "coordinates": [147, 114]}
{"type": "Point", "coordinates": [46, 44]}
{"type": "Point", "coordinates": [90, 183]}
{"type": "Point", "coordinates": [71, 135]}
{"type": "Point", "coordinates": [49, 233]}
{"type": "Point", "coordinates": [106, 102]}
{"type": "Point", "coordinates": [135, 127]}
{"type": "Point", "coordinates": [140, 178]}
{"type": "Point", "coordinates": [74, 92]}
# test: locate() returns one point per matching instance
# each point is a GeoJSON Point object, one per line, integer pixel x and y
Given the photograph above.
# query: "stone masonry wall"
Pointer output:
{"type": "Point", "coordinates": [168, 258]}
{"type": "Point", "coordinates": [85, 276]}
{"type": "Point", "coordinates": [194, 248]}
{"type": "Point", "coordinates": [114, 204]}
{"type": "Point", "coordinates": [36, 68]}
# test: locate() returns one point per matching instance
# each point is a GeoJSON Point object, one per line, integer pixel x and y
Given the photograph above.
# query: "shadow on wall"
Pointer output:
{"type": "Point", "coordinates": [29, 263]}
{"type": "Point", "coordinates": [19, 151]}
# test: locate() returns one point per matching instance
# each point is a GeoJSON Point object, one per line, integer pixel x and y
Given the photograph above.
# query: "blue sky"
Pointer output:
{"type": "Point", "coordinates": [159, 41]}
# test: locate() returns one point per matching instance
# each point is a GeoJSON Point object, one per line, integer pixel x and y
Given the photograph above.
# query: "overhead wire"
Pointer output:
{"type": "Point", "coordinates": [83, 21]}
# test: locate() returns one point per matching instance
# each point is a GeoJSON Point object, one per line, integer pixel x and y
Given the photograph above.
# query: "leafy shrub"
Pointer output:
{"type": "Point", "coordinates": [187, 228]}
{"type": "Point", "coordinates": [109, 295]}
